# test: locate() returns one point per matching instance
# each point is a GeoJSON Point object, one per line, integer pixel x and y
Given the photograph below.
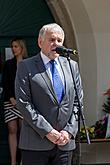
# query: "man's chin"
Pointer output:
{"type": "Point", "coordinates": [53, 55]}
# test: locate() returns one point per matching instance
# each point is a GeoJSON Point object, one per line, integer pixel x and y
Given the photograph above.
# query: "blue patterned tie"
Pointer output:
{"type": "Point", "coordinates": [57, 82]}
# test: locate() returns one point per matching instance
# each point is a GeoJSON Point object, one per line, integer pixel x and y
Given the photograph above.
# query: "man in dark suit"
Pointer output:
{"type": "Point", "coordinates": [47, 102]}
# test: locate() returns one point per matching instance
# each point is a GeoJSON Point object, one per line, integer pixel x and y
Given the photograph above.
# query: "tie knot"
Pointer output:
{"type": "Point", "coordinates": [52, 62]}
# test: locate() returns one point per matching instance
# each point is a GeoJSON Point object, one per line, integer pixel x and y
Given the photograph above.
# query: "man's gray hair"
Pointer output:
{"type": "Point", "coordinates": [51, 27]}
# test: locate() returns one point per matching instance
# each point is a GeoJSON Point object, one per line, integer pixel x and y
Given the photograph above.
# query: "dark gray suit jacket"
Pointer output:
{"type": "Point", "coordinates": [38, 104]}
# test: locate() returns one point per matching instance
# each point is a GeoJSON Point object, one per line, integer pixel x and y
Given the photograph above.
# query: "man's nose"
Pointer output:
{"type": "Point", "coordinates": [56, 43]}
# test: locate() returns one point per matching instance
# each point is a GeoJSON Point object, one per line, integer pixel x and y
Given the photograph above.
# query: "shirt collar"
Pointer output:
{"type": "Point", "coordinates": [46, 59]}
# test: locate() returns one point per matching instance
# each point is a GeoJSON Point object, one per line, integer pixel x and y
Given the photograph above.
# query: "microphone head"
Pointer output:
{"type": "Point", "coordinates": [63, 50]}
{"type": "Point", "coordinates": [60, 49]}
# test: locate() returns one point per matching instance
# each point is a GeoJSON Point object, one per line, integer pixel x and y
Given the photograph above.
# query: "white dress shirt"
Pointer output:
{"type": "Point", "coordinates": [47, 64]}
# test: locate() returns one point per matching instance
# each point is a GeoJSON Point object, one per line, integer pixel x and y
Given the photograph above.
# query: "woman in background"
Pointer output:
{"type": "Point", "coordinates": [13, 117]}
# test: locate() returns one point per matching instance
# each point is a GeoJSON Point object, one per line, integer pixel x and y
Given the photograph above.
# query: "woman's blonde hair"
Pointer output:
{"type": "Point", "coordinates": [22, 44]}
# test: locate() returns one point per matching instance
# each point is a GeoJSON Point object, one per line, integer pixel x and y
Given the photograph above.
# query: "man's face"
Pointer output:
{"type": "Point", "coordinates": [49, 42]}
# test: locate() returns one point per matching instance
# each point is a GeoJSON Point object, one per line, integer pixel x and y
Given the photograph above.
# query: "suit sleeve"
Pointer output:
{"type": "Point", "coordinates": [24, 102]}
{"type": "Point", "coordinates": [72, 125]}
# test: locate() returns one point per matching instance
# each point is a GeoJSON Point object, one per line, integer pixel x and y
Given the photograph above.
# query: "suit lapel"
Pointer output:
{"type": "Point", "coordinates": [42, 70]}
{"type": "Point", "coordinates": [66, 72]}
{"type": "Point", "coordinates": [65, 69]}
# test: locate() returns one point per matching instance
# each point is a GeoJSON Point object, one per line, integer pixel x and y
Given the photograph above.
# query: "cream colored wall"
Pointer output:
{"type": "Point", "coordinates": [90, 20]}
{"type": "Point", "coordinates": [99, 15]}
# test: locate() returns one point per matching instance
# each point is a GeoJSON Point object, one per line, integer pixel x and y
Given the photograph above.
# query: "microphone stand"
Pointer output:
{"type": "Point", "coordinates": [79, 113]}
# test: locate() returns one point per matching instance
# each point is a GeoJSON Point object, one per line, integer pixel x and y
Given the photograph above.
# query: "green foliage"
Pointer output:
{"type": "Point", "coordinates": [98, 130]}
{"type": "Point", "coordinates": [90, 132]}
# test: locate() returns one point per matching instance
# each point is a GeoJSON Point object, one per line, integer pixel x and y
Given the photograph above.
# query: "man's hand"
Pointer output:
{"type": "Point", "coordinates": [13, 101]}
{"type": "Point", "coordinates": [59, 138]}
{"type": "Point", "coordinates": [53, 136]}
{"type": "Point", "coordinates": [64, 138]}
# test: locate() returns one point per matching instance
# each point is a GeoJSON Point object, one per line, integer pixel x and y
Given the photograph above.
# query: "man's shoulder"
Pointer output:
{"type": "Point", "coordinates": [30, 59]}
{"type": "Point", "coordinates": [66, 60]}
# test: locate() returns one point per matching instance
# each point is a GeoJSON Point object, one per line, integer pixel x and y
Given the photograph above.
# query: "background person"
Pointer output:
{"type": "Point", "coordinates": [49, 124]}
{"type": "Point", "coordinates": [12, 115]}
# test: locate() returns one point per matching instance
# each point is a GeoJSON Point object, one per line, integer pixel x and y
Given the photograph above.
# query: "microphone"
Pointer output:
{"type": "Point", "coordinates": [62, 50]}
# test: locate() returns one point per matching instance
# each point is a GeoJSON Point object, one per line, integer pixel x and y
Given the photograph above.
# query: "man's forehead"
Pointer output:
{"type": "Point", "coordinates": [55, 33]}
